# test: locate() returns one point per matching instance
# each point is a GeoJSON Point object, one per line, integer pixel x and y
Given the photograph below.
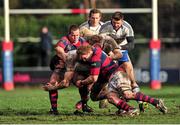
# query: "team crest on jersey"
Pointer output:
{"type": "Point", "coordinates": [93, 64]}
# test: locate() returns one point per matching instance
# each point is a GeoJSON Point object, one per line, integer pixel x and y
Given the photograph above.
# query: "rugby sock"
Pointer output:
{"type": "Point", "coordinates": [83, 91]}
{"type": "Point", "coordinates": [135, 90]}
{"type": "Point", "coordinates": [53, 96]}
{"type": "Point", "coordinates": [123, 105]}
{"type": "Point", "coordinates": [141, 97]}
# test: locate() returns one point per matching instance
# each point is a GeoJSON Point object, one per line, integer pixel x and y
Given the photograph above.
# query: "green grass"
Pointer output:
{"type": "Point", "coordinates": [31, 106]}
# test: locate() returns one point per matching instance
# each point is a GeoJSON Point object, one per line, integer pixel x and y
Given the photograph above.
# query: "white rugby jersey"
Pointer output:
{"type": "Point", "coordinates": [71, 60]}
{"type": "Point", "coordinates": [95, 30]}
{"type": "Point", "coordinates": [120, 35]}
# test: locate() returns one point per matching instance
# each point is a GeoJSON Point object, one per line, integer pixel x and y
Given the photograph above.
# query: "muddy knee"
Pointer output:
{"type": "Point", "coordinates": [128, 95]}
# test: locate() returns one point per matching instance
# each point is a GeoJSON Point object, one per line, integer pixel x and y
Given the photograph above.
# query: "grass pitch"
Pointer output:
{"type": "Point", "coordinates": [31, 106]}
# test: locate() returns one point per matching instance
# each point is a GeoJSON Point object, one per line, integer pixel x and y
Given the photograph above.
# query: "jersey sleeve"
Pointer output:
{"type": "Point", "coordinates": [128, 29]}
{"type": "Point", "coordinates": [105, 29]}
{"type": "Point", "coordinates": [61, 43]}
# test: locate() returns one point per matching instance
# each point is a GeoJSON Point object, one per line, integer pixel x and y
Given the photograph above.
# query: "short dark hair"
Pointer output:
{"type": "Point", "coordinates": [73, 27]}
{"type": "Point", "coordinates": [117, 16]}
{"type": "Point", "coordinates": [93, 11]}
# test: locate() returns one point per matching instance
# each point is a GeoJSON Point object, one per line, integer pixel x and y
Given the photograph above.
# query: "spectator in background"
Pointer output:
{"type": "Point", "coordinates": [45, 46]}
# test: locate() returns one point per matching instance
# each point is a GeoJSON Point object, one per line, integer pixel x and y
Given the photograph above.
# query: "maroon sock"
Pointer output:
{"type": "Point", "coordinates": [83, 91]}
{"type": "Point", "coordinates": [141, 97]}
{"type": "Point", "coordinates": [53, 96]}
{"type": "Point", "coordinates": [123, 105]}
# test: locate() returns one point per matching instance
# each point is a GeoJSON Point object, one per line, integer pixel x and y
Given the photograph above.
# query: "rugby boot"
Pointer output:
{"type": "Point", "coordinates": [121, 112]}
{"type": "Point", "coordinates": [84, 107]}
{"type": "Point", "coordinates": [162, 108]}
{"type": "Point", "coordinates": [133, 112]}
{"type": "Point", "coordinates": [53, 112]}
{"type": "Point", "coordinates": [78, 105]}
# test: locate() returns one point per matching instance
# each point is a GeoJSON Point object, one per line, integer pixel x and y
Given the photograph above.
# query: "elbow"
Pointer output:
{"type": "Point", "coordinates": [130, 41]}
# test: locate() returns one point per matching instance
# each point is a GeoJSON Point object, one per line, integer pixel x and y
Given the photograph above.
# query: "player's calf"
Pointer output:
{"type": "Point", "coordinates": [142, 105]}
{"type": "Point", "coordinates": [158, 103]}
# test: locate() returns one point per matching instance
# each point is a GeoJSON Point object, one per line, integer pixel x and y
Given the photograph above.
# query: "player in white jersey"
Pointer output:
{"type": "Point", "coordinates": [122, 32]}
{"type": "Point", "coordinates": [93, 25]}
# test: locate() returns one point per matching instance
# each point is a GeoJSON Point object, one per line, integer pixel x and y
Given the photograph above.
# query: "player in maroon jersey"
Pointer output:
{"type": "Point", "coordinates": [67, 43]}
{"type": "Point", "coordinates": [101, 68]}
{"type": "Point", "coordinates": [119, 84]}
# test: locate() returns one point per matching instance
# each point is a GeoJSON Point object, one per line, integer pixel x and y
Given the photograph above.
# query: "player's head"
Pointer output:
{"type": "Point", "coordinates": [84, 52]}
{"type": "Point", "coordinates": [96, 40]}
{"type": "Point", "coordinates": [94, 17]}
{"type": "Point", "coordinates": [74, 33]}
{"type": "Point", "coordinates": [117, 20]}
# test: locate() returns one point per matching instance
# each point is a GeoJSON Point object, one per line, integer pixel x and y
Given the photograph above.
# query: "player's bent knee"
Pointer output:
{"type": "Point", "coordinates": [110, 98]}
{"type": "Point", "coordinates": [128, 95]}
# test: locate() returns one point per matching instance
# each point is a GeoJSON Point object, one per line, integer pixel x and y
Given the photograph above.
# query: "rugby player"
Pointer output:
{"type": "Point", "coordinates": [122, 32]}
{"type": "Point", "coordinates": [67, 43]}
{"type": "Point", "coordinates": [103, 69]}
{"type": "Point", "coordinates": [92, 27]}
